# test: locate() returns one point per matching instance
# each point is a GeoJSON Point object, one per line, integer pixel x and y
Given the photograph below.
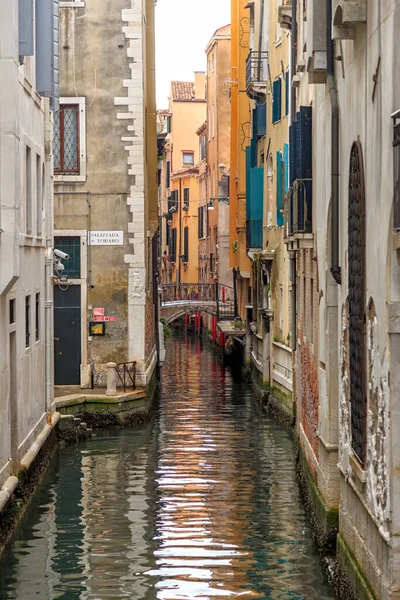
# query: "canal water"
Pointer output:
{"type": "Point", "coordinates": [201, 503]}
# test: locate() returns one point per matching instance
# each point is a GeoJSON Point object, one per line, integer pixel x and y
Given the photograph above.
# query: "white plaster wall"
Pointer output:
{"type": "Point", "coordinates": [22, 258]}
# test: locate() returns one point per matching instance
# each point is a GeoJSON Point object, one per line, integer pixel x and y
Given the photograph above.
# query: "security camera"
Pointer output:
{"type": "Point", "coordinates": [61, 254]}
{"type": "Point", "coordinates": [58, 266]}
{"type": "Point", "coordinates": [221, 166]}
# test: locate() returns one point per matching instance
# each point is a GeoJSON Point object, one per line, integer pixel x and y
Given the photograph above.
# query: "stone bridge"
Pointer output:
{"type": "Point", "coordinates": [179, 299]}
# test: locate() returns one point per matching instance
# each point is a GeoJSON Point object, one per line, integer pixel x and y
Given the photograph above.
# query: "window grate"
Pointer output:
{"type": "Point", "coordinates": [72, 246]}
{"type": "Point", "coordinates": [66, 139]}
{"type": "Point", "coordinates": [356, 240]}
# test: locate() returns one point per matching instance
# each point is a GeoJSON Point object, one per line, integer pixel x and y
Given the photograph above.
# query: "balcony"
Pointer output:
{"type": "Point", "coordinates": [254, 234]}
{"type": "Point", "coordinates": [257, 75]}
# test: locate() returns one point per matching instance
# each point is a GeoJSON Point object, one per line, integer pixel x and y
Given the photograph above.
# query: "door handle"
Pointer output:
{"type": "Point", "coordinates": [56, 339]}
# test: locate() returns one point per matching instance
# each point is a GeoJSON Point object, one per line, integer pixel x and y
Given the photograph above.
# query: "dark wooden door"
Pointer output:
{"type": "Point", "coordinates": [67, 335]}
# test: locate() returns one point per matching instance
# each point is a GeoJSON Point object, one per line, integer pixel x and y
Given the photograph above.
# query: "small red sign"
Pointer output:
{"type": "Point", "coordinates": [106, 318]}
{"type": "Point", "coordinates": [98, 312]}
{"type": "Point", "coordinates": [113, 318]}
{"type": "Point", "coordinates": [98, 318]}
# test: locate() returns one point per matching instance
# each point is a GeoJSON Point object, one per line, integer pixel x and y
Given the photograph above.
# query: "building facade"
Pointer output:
{"type": "Point", "coordinates": [106, 217]}
{"type": "Point", "coordinates": [28, 93]}
{"type": "Point", "coordinates": [179, 181]}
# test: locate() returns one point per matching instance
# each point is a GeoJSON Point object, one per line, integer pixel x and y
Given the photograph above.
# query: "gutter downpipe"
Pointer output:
{"type": "Point", "coordinates": [333, 95]}
{"type": "Point", "coordinates": [293, 270]}
{"type": "Point", "coordinates": [48, 268]}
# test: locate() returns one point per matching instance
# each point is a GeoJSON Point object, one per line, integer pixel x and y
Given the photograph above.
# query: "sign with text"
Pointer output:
{"type": "Point", "coordinates": [105, 238]}
{"type": "Point", "coordinates": [98, 312]}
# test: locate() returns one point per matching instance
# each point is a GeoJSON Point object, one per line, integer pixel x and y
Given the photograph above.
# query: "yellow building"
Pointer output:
{"type": "Point", "coordinates": [240, 138]}
{"type": "Point", "coordinates": [179, 182]}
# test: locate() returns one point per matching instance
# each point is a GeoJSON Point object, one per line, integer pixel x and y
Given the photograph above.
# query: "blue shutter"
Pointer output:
{"type": "Point", "coordinates": [277, 100]}
{"type": "Point", "coordinates": [248, 167]}
{"type": "Point", "coordinates": [261, 117]}
{"type": "Point", "coordinates": [47, 49]}
{"type": "Point", "coordinates": [25, 29]}
{"type": "Point", "coordinates": [286, 166]}
{"type": "Point", "coordinates": [279, 189]}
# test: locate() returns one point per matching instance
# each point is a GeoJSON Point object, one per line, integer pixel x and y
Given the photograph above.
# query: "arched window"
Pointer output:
{"type": "Point", "coordinates": [356, 282]}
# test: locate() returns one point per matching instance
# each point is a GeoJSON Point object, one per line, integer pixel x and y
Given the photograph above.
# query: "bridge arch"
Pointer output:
{"type": "Point", "coordinates": [172, 313]}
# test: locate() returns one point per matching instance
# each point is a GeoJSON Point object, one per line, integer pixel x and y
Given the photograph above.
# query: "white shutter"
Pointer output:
{"type": "Point", "coordinates": [25, 29]}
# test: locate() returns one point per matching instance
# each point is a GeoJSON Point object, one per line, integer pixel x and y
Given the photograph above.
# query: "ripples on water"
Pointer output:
{"type": "Point", "coordinates": [203, 503]}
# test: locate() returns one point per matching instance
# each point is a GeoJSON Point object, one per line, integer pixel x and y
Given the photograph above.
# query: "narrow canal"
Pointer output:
{"type": "Point", "coordinates": [201, 503]}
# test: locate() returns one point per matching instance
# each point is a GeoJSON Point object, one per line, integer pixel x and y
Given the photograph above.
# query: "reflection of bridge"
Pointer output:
{"type": "Point", "coordinates": [214, 298]}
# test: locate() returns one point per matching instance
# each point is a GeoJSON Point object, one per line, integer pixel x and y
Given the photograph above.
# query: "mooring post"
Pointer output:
{"type": "Point", "coordinates": [111, 379]}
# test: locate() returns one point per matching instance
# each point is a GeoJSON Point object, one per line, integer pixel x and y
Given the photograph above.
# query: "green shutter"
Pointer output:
{"type": "Point", "coordinates": [279, 189]}
{"type": "Point", "coordinates": [185, 244]}
{"type": "Point", "coordinates": [277, 100]}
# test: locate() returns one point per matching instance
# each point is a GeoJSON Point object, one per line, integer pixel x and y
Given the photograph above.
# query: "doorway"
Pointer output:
{"type": "Point", "coordinates": [67, 335]}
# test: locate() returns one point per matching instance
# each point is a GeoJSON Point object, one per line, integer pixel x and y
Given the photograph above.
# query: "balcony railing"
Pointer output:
{"type": "Point", "coordinates": [254, 234]}
{"type": "Point", "coordinates": [256, 73]}
{"type": "Point", "coordinates": [396, 171]}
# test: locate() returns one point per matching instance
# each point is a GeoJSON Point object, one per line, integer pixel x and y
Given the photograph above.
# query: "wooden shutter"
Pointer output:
{"type": "Point", "coordinates": [25, 29]}
{"type": "Point", "coordinates": [277, 100]}
{"type": "Point", "coordinates": [185, 244]}
{"type": "Point", "coordinates": [279, 189]}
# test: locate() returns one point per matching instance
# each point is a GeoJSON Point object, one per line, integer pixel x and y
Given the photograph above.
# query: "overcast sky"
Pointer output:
{"type": "Point", "coordinates": [183, 30]}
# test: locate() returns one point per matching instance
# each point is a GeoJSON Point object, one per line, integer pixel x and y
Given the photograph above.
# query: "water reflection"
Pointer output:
{"type": "Point", "coordinates": [203, 503]}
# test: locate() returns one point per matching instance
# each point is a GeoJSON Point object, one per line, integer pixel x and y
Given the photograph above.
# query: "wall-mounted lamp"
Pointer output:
{"type": "Point", "coordinates": [219, 199]}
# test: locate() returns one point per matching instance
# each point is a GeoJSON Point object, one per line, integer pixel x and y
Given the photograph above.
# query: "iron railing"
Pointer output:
{"type": "Point", "coordinates": [256, 68]}
{"type": "Point", "coordinates": [126, 373]}
{"type": "Point", "coordinates": [396, 172]}
{"type": "Point", "coordinates": [174, 292]}
{"type": "Point", "coordinates": [222, 297]}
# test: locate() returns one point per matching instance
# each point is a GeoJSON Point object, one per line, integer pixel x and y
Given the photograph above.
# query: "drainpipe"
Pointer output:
{"type": "Point", "coordinates": [48, 266]}
{"type": "Point", "coordinates": [293, 265]}
{"type": "Point", "coordinates": [180, 231]}
{"type": "Point", "coordinates": [259, 68]}
{"type": "Point", "coordinates": [333, 95]}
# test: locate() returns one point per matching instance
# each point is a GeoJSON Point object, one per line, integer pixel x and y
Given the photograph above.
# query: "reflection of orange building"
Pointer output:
{"type": "Point", "coordinates": [240, 137]}
{"type": "Point", "coordinates": [179, 183]}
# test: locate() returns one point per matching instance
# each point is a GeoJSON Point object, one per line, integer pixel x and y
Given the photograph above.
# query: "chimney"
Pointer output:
{"type": "Point", "coordinates": [199, 85]}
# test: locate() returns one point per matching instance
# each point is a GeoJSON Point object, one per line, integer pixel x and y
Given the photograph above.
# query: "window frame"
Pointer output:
{"type": "Point", "coordinates": [75, 176]}
{"type": "Point", "coordinates": [27, 321]}
{"type": "Point", "coordinates": [187, 153]}
{"type": "Point", "coordinates": [72, 3]}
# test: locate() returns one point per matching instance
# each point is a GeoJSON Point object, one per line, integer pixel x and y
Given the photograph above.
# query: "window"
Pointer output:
{"type": "Point", "coordinates": [396, 171]}
{"type": "Point", "coordinates": [279, 189]}
{"type": "Point", "coordinates": [12, 315]}
{"type": "Point", "coordinates": [71, 246]}
{"type": "Point", "coordinates": [168, 184]}
{"type": "Point", "coordinates": [201, 222]}
{"type": "Point", "coordinates": [169, 123]}
{"type": "Point", "coordinates": [172, 245]}
{"type": "Point", "coordinates": [287, 93]}
{"type": "Point", "coordinates": [185, 198]}
{"type": "Point", "coordinates": [209, 124]}
{"type": "Point", "coordinates": [278, 27]}
{"type": "Point", "coordinates": [173, 201]}
{"type": "Point", "coordinates": [185, 257]}
{"type": "Point", "coordinates": [28, 190]}
{"type": "Point", "coordinates": [39, 195]}
{"type": "Point", "coordinates": [66, 139]}
{"type": "Point", "coordinates": [188, 158]}
{"type": "Point", "coordinates": [37, 317]}
{"type": "Point", "coordinates": [277, 100]}
{"type": "Point", "coordinates": [280, 308]}
{"type": "Point", "coordinates": [203, 147]}
{"type": "Point", "coordinates": [212, 62]}
{"type": "Point", "coordinates": [27, 320]}
{"type": "Point", "coordinates": [69, 145]}
{"type": "Point", "coordinates": [213, 120]}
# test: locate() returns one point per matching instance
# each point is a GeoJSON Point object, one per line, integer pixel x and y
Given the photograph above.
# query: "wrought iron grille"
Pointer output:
{"type": "Point", "coordinates": [396, 171]}
{"type": "Point", "coordinates": [66, 139]}
{"type": "Point", "coordinates": [356, 236]}
{"type": "Point", "coordinates": [256, 68]}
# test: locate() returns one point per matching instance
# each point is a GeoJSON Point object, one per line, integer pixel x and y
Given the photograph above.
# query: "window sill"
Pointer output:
{"type": "Point", "coordinates": [72, 4]}
{"type": "Point", "coordinates": [69, 178]}
{"type": "Point", "coordinates": [31, 241]}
